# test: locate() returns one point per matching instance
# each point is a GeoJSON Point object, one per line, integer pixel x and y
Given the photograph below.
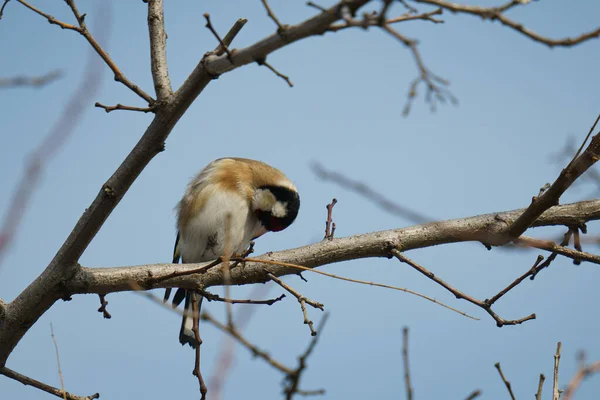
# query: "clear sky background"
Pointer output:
{"type": "Point", "coordinates": [519, 103]}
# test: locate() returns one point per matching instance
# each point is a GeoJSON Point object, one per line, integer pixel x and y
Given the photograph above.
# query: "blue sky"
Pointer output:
{"type": "Point", "coordinates": [519, 103]}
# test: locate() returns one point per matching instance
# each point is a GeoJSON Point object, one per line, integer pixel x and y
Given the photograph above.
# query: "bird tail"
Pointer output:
{"type": "Point", "coordinates": [186, 334]}
{"type": "Point", "coordinates": [176, 257]}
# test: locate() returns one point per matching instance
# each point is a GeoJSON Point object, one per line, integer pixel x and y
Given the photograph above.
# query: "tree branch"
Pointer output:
{"type": "Point", "coordinates": [496, 13]}
{"type": "Point", "coordinates": [158, 49]}
{"type": "Point", "coordinates": [35, 81]}
{"type": "Point", "coordinates": [27, 381]}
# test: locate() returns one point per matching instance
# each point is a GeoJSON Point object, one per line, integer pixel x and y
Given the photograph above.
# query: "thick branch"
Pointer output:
{"type": "Point", "coordinates": [377, 244]}
{"type": "Point", "coordinates": [158, 49]}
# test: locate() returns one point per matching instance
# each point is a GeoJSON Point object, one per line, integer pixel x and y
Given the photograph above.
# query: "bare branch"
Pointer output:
{"type": "Point", "coordinates": [82, 29]}
{"type": "Point", "coordinates": [496, 14]}
{"type": "Point", "coordinates": [507, 383]}
{"type": "Point", "coordinates": [158, 49]}
{"type": "Point", "coordinates": [246, 343]}
{"type": "Point", "coordinates": [2, 9]}
{"type": "Point", "coordinates": [474, 394]}
{"type": "Point", "coordinates": [551, 196]}
{"type": "Point", "coordinates": [233, 31]}
{"type": "Point", "coordinates": [102, 309]}
{"type": "Point", "coordinates": [538, 395]}
{"type": "Point", "coordinates": [279, 74]}
{"type": "Point", "coordinates": [301, 299]}
{"type": "Point", "coordinates": [27, 381]}
{"type": "Point", "coordinates": [222, 45]}
{"type": "Point", "coordinates": [35, 81]}
{"type": "Point", "coordinates": [460, 295]}
{"type": "Point", "coordinates": [213, 297]}
{"type": "Point", "coordinates": [329, 224]}
{"type": "Point", "coordinates": [127, 108]}
{"type": "Point", "coordinates": [271, 14]}
{"type": "Point", "coordinates": [584, 372]}
{"type": "Point", "coordinates": [555, 391]}
{"type": "Point", "coordinates": [60, 375]}
{"type": "Point", "coordinates": [409, 388]}
{"type": "Point", "coordinates": [554, 248]}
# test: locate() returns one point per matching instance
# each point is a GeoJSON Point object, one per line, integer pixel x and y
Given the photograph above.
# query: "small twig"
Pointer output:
{"type": "Point", "coordinates": [301, 299]}
{"type": "Point", "coordinates": [474, 394]}
{"type": "Point", "coordinates": [82, 29]}
{"type": "Point", "coordinates": [293, 378]}
{"type": "Point", "coordinates": [295, 266]}
{"type": "Point", "coordinates": [200, 270]}
{"type": "Point", "coordinates": [196, 305]}
{"type": "Point", "coordinates": [409, 388]}
{"type": "Point", "coordinates": [127, 108]}
{"type": "Point", "coordinates": [222, 44]}
{"type": "Point", "coordinates": [538, 395]}
{"type": "Point", "coordinates": [27, 381]}
{"type": "Point", "coordinates": [213, 297]}
{"type": "Point", "coordinates": [318, 7]}
{"type": "Point", "coordinates": [246, 343]}
{"type": "Point", "coordinates": [551, 257]}
{"type": "Point", "coordinates": [460, 295]}
{"type": "Point", "coordinates": [271, 14]}
{"type": "Point", "coordinates": [228, 39]}
{"type": "Point", "coordinates": [583, 372]}
{"type": "Point", "coordinates": [549, 245]}
{"type": "Point", "coordinates": [555, 391]}
{"type": "Point", "coordinates": [36, 81]}
{"type": "Point", "coordinates": [62, 381]}
{"type": "Point", "coordinates": [533, 270]}
{"type": "Point", "coordinates": [507, 383]}
{"type": "Point", "coordinates": [2, 9]}
{"type": "Point", "coordinates": [329, 225]}
{"type": "Point", "coordinates": [103, 304]}
{"type": "Point", "coordinates": [551, 197]}
{"type": "Point", "coordinates": [264, 62]}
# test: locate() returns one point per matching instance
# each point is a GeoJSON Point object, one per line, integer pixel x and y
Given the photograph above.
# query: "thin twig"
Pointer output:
{"type": "Point", "coordinates": [303, 300]}
{"type": "Point", "coordinates": [222, 44]}
{"type": "Point", "coordinates": [584, 372]}
{"type": "Point", "coordinates": [27, 381]}
{"type": "Point", "coordinates": [82, 29]}
{"type": "Point", "coordinates": [551, 196]}
{"type": "Point", "coordinates": [329, 224]}
{"type": "Point", "coordinates": [474, 394]}
{"type": "Point", "coordinates": [213, 297]}
{"type": "Point", "coordinates": [360, 282]}
{"type": "Point", "coordinates": [532, 271]}
{"type": "Point", "coordinates": [2, 9]}
{"type": "Point", "coordinates": [127, 108]}
{"type": "Point", "coordinates": [496, 13]}
{"type": "Point", "coordinates": [264, 62]}
{"type": "Point", "coordinates": [60, 375]}
{"type": "Point", "coordinates": [293, 378]}
{"type": "Point", "coordinates": [549, 245]}
{"type": "Point", "coordinates": [551, 257]}
{"type": "Point", "coordinates": [555, 391]}
{"type": "Point", "coordinates": [271, 14]}
{"type": "Point", "coordinates": [507, 383]}
{"type": "Point", "coordinates": [538, 395]}
{"type": "Point", "coordinates": [196, 305]}
{"type": "Point", "coordinates": [318, 7]}
{"type": "Point", "coordinates": [32, 81]}
{"type": "Point", "coordinates": [409, 388]}
{"type": "Point", "coordinates": [102, 309]}
{"type": "Point", "coordinates": [246, 343]}
{"type": "Point", "coordinates": [233, 31]}
{"type": "Point", "coordinates": [460, 295]}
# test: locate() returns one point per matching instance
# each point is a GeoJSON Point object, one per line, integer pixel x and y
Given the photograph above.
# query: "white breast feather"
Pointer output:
{"type": "Point", "coordinates": [203, 239]}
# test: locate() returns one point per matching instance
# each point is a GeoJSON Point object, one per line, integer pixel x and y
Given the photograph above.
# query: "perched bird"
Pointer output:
{"type": "Point", "coordinates": [256, 198]}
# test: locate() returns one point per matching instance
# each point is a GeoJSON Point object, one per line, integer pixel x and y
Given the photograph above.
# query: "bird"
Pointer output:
{"type": "Point", "coordinates": [234, 200]}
